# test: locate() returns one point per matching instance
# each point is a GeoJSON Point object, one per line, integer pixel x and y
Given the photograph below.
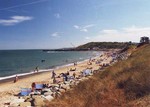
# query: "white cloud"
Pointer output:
{"type": "Point", "coordinates": [83, 28]}
{"type": "Point", "coordinates": [57, 15]}
{"type": "Point", "coordinates": [88, 26]}
{"type": "Point", "coordinates": [76, 26]}
{"type": "Point", "coordinates": [132, 33]}
{"type": "Point", "coordinates": [87, 38]}
{"type": "Point", "coordinates": [108, 31]}
{"type": "Point", "coordinates": [14, 20]}
{"type": "Point", "coordinates": [56, 34]}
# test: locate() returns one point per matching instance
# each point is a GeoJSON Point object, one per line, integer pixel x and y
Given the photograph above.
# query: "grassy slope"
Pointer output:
{"type": "Point", "coordinates": [103, 45]}
{"type": "Point", "coordinates": [127, 83]}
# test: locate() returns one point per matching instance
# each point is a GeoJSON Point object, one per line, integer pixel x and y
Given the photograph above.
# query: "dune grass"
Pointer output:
{"type": "Point", "coordinates": [119, 85]}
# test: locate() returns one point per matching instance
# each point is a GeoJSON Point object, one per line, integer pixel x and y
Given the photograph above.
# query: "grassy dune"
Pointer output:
{"type": "Point", "coordinates": [125, 84]}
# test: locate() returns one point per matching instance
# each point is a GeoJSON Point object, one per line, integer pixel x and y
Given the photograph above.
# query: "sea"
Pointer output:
{"type": "Point", "coordinates": [25, 62]}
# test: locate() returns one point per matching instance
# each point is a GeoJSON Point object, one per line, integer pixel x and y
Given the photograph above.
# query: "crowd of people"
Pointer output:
{"type": "Point", "coordinates": [66, 80]}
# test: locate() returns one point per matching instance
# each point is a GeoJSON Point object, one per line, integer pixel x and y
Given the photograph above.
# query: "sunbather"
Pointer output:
{"type": "Point", "coordinates": [72, 69]}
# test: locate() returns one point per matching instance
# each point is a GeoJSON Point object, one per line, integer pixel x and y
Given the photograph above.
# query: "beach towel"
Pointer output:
{"type": "Point", "coordinates": [38, 86]}
{"type": "Point", "coordinates": [25, 91]}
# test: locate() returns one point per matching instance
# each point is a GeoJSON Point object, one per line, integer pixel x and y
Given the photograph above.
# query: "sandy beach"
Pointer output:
{"type": "Point", "coordinates": [9, 89]}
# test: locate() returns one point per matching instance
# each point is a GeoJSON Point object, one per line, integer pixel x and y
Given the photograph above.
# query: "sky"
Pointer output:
{"type": "Point", "coordinates": [50, 24]}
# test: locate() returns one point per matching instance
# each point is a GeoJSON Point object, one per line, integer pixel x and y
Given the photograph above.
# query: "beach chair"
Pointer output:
{"type": "Point", "coordinates": [25, 91]}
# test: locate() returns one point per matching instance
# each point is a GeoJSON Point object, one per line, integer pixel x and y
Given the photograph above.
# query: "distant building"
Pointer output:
{"type": "Point", "coordinates": [144, 40]}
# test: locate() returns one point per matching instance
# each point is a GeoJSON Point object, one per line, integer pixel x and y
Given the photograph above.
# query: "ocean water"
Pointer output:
{"type": "Point", "coordinates": [14, 62]}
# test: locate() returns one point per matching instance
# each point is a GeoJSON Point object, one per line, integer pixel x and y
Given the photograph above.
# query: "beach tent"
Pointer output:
{"type": "Point", "coordinates": [87, 72]}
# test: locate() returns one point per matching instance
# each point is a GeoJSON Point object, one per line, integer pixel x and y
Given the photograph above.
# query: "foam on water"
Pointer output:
{"type": "Point", "coordinates": [41, 70]}
{"type": "Point", "coordinates": [53, 61]}
{"type": "Point", "coordinates": [24, 74]}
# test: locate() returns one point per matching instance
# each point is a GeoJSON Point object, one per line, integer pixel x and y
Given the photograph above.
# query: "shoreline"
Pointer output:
{"type": "Point", "coordinates": [31, 73]}
{"type": "Point", "coordinates": [18, 65]}
{"type": "Point", "coordinates": [10, 79]}
{"type": "Point", "coordinates": [8, 88]}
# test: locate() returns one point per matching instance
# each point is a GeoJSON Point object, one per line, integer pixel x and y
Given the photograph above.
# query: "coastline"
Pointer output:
{"type": "Point", "coordinates": [8, 88]}
{"type": "Point", "coordinates": [26, 61]}
{"type": "Point", "coordinates": [32, 73]}
{"type": "Point", "coordinates": [11, 79]}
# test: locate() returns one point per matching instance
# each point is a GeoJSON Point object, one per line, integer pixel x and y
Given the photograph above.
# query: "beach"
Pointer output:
{"type": "Point", "coordinates": [9, 90]}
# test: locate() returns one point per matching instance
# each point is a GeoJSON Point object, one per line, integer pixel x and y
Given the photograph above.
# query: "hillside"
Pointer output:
{"type": "Point", "coordinates": [103, 45]}
{"type": "Point", "coordinates": [95, 46]}
{"type": "Point", "coordinates": [125, 84]}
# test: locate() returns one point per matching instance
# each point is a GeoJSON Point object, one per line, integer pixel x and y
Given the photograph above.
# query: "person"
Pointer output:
{"type": "Point", "coordinates": [33, 86]}
{"type": "Point", "coordinates": [72, 69]}
{"type": "Point", "coordinates": [75, 63]}
{"type": "Point", "coordinates": [54, 80]}
{"type": "Point", "coordinates": [53, 74]}
{"type": "Point", "coordinates": [74, 74]}
{"type": "Point", "coordinates": [65, 77]}
{"type": "Point", "coordinates": [16, 79]}
{"type": "Point", "coordinates": [67, 73]}
{"type": "Point", "coordinates": [37, 68]}
{"type": "Point", "coordinates": [89, 63]}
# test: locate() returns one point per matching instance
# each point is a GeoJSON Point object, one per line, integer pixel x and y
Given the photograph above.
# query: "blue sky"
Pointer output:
{"type": "Point", "coordinates": [47, 24]}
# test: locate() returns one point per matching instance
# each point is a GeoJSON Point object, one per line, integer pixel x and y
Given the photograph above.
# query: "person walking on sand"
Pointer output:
{"type": "Point", "coordinates": [75, 64]}
{"type": "Point", "coordinates": [53, 74]}
{"type": "Point", "coordinates": [16, 79]}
